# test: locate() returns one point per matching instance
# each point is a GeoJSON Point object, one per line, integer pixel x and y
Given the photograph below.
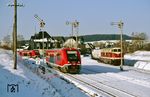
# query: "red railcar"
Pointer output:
{"type": "Point", "coordinates": [29, 53]}
{"type": "Point", "coordinates": [111, 56]}
{"type": "Point", "coordinates": [65, 59]}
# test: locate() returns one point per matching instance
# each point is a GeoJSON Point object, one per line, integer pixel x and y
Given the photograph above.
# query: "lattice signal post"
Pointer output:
{"type": "Point", "coordinates": [120, 26]}
{"type": "Point", "coordinates": [42, 24]}
{"type": "Point", "coordinates": [74, 26]}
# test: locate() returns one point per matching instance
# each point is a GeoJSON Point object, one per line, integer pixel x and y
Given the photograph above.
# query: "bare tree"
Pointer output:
{"type": "Point", "coordinates": [20, 39]}
{"type": "Point", "coordinates": [138, 40]}
{"type": "Point", "coordinates": [7, 40]}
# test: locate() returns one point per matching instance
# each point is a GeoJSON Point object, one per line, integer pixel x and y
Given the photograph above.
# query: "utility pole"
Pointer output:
{"type": "Point", "coordinates": [74, 24]}
{"type": "Point", "coordinates": [120, 26]}
{"type": "Point", "coordinates": [15, 32]}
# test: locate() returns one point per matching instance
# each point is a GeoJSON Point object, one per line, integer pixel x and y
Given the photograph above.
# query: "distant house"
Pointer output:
{"type": "Point", "coordinates": [44, 40]}
{"type": "Point", "coordinates": [70, 43]}
{"type": "Point", "coordinates": [23, 44]}
{"type": "Point", "coordinates": [59, 41]}
{"type": "Point", "coordinates": [41, 40]}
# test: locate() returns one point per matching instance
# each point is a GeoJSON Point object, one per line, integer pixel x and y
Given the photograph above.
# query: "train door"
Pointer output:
{"type": "Point", "coordinates": [59, 58]}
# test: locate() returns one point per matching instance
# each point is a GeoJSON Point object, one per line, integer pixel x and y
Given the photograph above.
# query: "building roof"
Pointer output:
{"type": "Point", "coordinates": [40, 35]}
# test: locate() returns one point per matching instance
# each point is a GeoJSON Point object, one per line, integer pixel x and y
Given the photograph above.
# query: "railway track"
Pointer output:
{"type": "Point", "coordinates": [94, 88]}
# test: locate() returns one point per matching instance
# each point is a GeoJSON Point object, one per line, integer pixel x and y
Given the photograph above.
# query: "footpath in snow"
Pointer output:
{"type": "Point", "coordinates": [26, 83]}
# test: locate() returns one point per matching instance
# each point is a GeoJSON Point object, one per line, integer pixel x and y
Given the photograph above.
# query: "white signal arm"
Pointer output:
{"type": "Point", "coordinates": [42, 23]}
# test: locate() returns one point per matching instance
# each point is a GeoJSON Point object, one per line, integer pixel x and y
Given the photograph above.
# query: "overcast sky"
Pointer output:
{"type": "Point", "coordinates": [94, 16]}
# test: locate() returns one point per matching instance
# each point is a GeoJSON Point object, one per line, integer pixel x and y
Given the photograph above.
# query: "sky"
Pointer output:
{"type": "Point", "coordinates": [95, 16]}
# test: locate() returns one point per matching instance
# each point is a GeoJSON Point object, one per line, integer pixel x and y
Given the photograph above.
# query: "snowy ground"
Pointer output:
{"type": "Point", "coordinates": [32, 84]}
{"type": "Point", "coordinates": [138, 59]}
{"type": "Point", "coordinates": [139, 55]}
{"type": "Point", "coordinates": [95, 79]}
{"type": "Point", "coordinates": [127, 83]}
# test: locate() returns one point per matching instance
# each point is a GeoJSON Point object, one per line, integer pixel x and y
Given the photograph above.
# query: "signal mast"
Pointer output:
{"type": "Point", "coordinates": [42, 24]}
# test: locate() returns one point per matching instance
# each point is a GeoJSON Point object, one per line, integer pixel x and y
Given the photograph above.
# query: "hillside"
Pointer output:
{"type": "Point", "coordinates": [98, 37]}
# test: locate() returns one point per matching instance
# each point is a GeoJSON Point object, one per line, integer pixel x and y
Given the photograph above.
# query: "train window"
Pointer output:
{"type": "Point", "coordinates": [30, 54]}
{"type": "Point", "coordinates": [105, 54]}
{"type": "Point", "coordinates": [119, 50]}
{"type": "Point", "coordinates": [36, 52]}
{"type": "Point", "coordinates": [51, 59]}
{"type": "Point", "coordinates": [116, 50]}
{"type": "Point", "coordinates": [58, 56]}
{"type": "Point", "coordinates": [72, 55]}
{"type": "Point", "coordinates": [25, 54]}
{"type": "Point", "coordinates": [48, 54]}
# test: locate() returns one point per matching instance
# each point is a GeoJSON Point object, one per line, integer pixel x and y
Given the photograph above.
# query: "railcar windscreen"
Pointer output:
{"type": "Point", "coordinates": [72, 55]}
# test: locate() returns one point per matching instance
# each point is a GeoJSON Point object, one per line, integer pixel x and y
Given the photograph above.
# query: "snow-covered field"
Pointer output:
{"type": "Point", "coordinates": [139, 55]}
{"type": "Point", "coordinates": [138, 59]}
{"type": "Point", "coordinates": [29, 84]}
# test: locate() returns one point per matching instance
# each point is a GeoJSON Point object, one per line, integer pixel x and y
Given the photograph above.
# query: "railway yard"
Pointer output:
{"type": "Point", "coordinates": [98, 79]}
{"type": "Point", "coordinates": [75, 48]}
{"type": "Point", "coordinates": [111, 81]}
{"type": "Point", "coordinates": [94, 80]}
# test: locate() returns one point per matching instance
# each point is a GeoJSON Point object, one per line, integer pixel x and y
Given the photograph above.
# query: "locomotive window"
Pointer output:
{"type": "Point", "coordinates": [72, 56]}
{"type": "Point", "coordinates": [119, 50]}
{"type": "Point", "coordinates": [116, 50]}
